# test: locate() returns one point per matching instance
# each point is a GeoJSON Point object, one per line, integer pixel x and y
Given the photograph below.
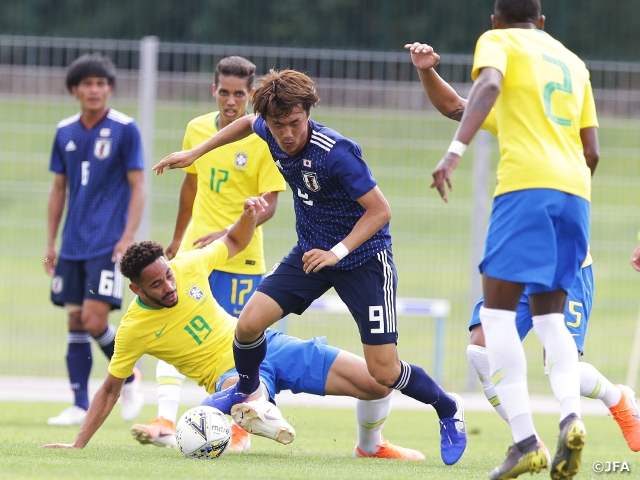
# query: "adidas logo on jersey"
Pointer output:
{"type": "Point", "coordinates": [71, 147]}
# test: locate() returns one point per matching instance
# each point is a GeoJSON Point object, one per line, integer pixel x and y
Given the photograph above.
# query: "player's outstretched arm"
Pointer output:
{"type": "Point", "coordinates": [482, 97]}
{"type": "Point", "coordinates": [440, 93]}
{"type": "Point", "coordinates": [241, 232]}
{"type": "Point", "coordinates": [237, 130]}
{"type": "Point", "coordinates": [101, 406]}
{"type": "Point", "coordinates": [635, 258]}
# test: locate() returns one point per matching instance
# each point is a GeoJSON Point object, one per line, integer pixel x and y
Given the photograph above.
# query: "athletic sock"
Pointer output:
{"type": "Point", "coordinates": [416, 383]}
{"type": "Point", "coordinates": [479, 360]}
{"type": "Point", "coordinates": [79, 362]}
{"type": "Point", "coordinates": [248, 357]}
{"type": "Point", "coordinates": [168, 387]}
{"type": "Point", "coordinates": [508, 369]}
{"type": "Point", "coordinates": [107, 340]}
{"type": "Point", "coordinates": [371, 415]}
{"type": "Point", "coordinates": [562, 361]}
{"type": "Point", "coordinates": [595, 385]}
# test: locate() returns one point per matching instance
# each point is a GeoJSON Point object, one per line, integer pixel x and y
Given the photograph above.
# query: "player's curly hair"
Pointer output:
{"type": "Point", "coordinates": [235, 66]}
{"type": "Point", "coordinates": [518, 11]}
{"type": "Point", "coordinates": [139, 256]}
{"type": "Point", "coordinates": [281, 91]}
{"type": "Point", "coordinates": [90, 65]}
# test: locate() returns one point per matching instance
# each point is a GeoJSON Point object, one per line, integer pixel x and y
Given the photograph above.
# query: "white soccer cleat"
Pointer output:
{"type": "Point", "coordinates": [264, 419]}
{"type": "Point", "coordinates": [132, 398]}
{"type": "Point", "coordinates": [73, 415]}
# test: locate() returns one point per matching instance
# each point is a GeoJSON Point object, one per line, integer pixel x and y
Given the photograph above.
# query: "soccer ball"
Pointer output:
{"type": "Point", "coordinates": [203, 432]}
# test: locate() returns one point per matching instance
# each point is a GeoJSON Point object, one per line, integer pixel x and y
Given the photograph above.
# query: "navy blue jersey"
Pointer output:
{"type": "Point", "coordinates": [326, 179]}
{"type": "Point", "coordinates": [96, 163]}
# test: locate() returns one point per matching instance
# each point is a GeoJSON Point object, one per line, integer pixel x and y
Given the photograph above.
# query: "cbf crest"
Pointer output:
{"type": "Point", "coordinates": [311, 181]}
{"type": "Point", "coordinates": [102, 148]}
{"type": "Point", "coordinates": [196, 293]}
{"type": "Point", "coordinates": [241, 159]}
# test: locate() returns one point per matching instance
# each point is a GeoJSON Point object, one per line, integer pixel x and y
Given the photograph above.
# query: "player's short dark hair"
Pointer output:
{"type": "Point", "coordinates": [90, 65]}
{"type": "Point", "coordinates": [518, 11]}
{"type": "Point", "coordinates": [281, 91]}
{"type": "Point", "coordinates": [236, 67]}
{"type": "Point", "coordinates": [138, 257]}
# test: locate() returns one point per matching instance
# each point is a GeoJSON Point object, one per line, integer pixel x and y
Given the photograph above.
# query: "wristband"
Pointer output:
{"type": "Point", "coordinates": [340, 250]}
{"type": "Point", "coordinates": [229, 227]}
{"type": "Point", "coordinates": [457, 147]}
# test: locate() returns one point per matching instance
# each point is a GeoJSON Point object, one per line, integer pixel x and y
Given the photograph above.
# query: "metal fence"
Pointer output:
{"type": "Point", "coordinates": [374, 98]}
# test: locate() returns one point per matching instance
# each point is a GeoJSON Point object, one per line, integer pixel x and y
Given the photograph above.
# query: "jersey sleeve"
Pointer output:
{"type": "Point", "coordinates": [128, 349]}
{"type": "Point", "coordinates": [260, 127]}
{"type": "Point", "coordinates": [490, 123]}
{"type": "Point", "coordinates": [205, 259]}
{"type": "Point", "coordinates": [132, 148]}
{"type": "Point", "coordinates": [588, 117]}
{"type": "Point", "coordinates": [56, 163]}
{"type": "Point", "coordinates": [491, 51]}
{"type": "Point", "coordinates": [269, 177]}
{"type": "Point", "coordinates": [188, 144]}
{"type": "Point", "coordinates": [346, 165]}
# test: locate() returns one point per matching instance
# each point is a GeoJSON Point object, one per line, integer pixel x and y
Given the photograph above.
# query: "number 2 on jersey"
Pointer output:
{"type": "Point", "coordinates": [549, 88]}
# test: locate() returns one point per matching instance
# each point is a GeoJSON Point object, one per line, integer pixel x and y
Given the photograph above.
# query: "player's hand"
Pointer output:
{"type": "Point", "coordinates": [120, 248]}
{"type": "Point", "coordinates": [58, 445]}
{"type": "Point", "coordinates": [172, 248]}
{"type": "Point", "coordinates": [635, 259]}
{"type": "Point", "coordinates": [49, 261]}
{"type": "Point", "coordinates": [442, 174]}
{"type": "Point", "coordinates": [255, 205]}
{"type": "Point", "coordinates": [175, 160]}
{"type": "Point", "coordinates": [205, 240]}
{"type": "Point", "coordinates": [316, 259]}
{"type": "Point", "coordinates": [422, 55]}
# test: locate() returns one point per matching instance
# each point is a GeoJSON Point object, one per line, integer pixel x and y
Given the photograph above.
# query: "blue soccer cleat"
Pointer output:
{"type": "Point", "coordinates": [227, 398]}
{"type": "Point", "coordinates": [453, 434]}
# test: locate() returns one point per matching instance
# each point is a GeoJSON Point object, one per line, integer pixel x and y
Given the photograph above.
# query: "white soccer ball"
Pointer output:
{"type": "Point", "coordinates": [203, 432]}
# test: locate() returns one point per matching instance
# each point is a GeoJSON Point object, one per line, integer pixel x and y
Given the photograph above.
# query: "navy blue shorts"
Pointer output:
{"type": "Point", "coordinates": [233, 290]}
{"type": "Point", "coordinates": [538, 237]}
{"type": "Point", "coordinates": [95, 279]}
{"type": "Point", "coordinates": [368, 290]}
{"type": "Point", "coordinates": [292, 364]}
{"type": "Point", "coordinates": [576, 312]}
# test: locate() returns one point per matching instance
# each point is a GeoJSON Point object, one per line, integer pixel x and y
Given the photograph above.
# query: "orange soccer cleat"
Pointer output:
{"type": "Point", "coordinates": [240, 439]}
{"type": "Point", "coordinates": [626, 414]}
{"type": "Point", "coordinates": [390, 451]}
{"type": "Point", "coordinates": [159, 432]}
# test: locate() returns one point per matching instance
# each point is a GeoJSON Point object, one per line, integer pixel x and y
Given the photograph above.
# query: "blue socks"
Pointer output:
{"type": "Point", "coordinates": [79, 363]}
{"type": "Point", "coordinates": [415, 383]}
{"type": "Point", "coordinates": [248, 357]}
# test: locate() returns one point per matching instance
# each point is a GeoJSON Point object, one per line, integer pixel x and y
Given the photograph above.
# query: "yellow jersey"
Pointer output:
{"type": "Point", "coordinates": [226, 177]}
{"type": "Point", "coordinates": [195, 336]}
{"type": "Point", "coordinates": [546, 99]}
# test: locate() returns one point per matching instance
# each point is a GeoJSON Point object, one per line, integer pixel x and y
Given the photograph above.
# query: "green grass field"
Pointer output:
{"type": "Point", "coordinates": [431, 239]}
{"type": "Point", "coordinates": [322, 449]}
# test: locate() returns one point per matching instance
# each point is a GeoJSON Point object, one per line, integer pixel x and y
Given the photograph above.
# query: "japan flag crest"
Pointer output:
{"type": "Point", "coordinates": [311, 181]}
{"type": "Point", "coordinates": [102, 148]}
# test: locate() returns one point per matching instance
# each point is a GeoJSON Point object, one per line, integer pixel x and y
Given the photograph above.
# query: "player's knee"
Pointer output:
{"type": "Point", "coordinates": [94, 324]}
{"type": "Point", "coordinates": [385, 376]}
{"type": "Point", "coordinates": [247, 332]}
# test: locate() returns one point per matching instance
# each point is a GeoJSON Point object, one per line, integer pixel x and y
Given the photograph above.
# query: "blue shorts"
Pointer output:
{"type": "Point", "coordinates": [95, 279]}
{"type": "Point", "coordinates": [576, 312]}
{"type": "Point", "coordinates": [233, 290]}
{"type": "Point", "coordinates": [293, 364]}
{"type": "Point", "coordinates": [368, 290]}
{"type": "Point", "coordinates": [538, 237]}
